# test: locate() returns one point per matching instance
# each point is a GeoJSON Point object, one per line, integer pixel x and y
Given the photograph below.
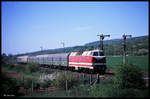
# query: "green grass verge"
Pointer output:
{"type": "Point", "coordinates": [141, 61]}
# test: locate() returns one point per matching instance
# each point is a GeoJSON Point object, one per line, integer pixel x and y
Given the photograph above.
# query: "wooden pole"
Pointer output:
{"type": "Point", "coordinates": [90, 78]}
{"type": "Point", "coordinates": [98, 79]}
{"type": "Point", "coordinates": [32, 86]}
{"type": "Point", "coordinates": [66, 81]}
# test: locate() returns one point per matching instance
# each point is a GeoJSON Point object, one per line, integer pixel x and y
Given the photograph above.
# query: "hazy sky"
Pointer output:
{"type": "Point", "coordinates": [28, 25]}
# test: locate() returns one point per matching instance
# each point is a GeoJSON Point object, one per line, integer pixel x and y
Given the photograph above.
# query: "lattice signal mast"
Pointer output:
{"type": "Point", "coordinates": [63, 44]}
{"type": "Point", "coordinates": [124, 47]}
{"type": "Point", "coordinates": [41, 49]}
{"type": "Point", "coordinates": [101, 40]}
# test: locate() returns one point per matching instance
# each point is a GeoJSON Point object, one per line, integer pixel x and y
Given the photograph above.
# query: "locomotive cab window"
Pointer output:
{"type": "Point", "coordinates": [95, 54]}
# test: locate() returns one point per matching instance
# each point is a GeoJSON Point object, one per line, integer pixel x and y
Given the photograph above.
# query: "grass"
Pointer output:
{"type": "Point", "coordinates": [75, 92]}
{"type": "Point", "coordinates": [20, 70]}
{"type": "Point", "coordinates": [141, 61]}
{"type": "Point", "coordinates": [106, 88]}
{"type": "Point", "coordinates": [109, 91]}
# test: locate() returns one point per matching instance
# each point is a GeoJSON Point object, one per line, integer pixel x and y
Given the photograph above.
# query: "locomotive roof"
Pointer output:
{"type": "Point", "coordinates": [85, 53]}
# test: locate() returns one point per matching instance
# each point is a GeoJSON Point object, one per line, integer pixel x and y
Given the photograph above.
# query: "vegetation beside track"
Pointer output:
{"type": "Point", "coordinates": [141, 61]}
{"type": "Point", "coordinates": [104, 89]}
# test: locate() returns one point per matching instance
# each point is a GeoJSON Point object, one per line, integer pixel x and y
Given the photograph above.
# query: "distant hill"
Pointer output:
{"type": "Point", "coordinates": [113, 41]}
{"type": "Point", "coordinates": [135, 46]}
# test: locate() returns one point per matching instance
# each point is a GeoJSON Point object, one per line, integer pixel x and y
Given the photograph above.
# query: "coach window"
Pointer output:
{"type": "Point", "coordinates": [95, 54]}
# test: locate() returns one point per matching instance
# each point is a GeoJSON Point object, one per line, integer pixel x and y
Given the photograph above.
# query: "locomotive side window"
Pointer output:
{"type": "Point", "coordinates": [101, 54]}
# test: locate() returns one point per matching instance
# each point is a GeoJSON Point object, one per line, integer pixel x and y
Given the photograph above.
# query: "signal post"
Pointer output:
{"type": "Point", "coordinates": [124, 47]}
{"type": "Point", "coordinates": [101, 40]}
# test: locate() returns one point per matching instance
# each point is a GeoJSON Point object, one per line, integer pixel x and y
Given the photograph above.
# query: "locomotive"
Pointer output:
{"type": "Point", "coordinates": [91, 61]}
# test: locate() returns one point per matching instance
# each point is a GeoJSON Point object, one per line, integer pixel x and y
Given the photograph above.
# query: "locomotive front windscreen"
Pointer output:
{"type": "Point", "coordinates": [98, 53]}
{"type": "Point", "coordinates": [95, 54]}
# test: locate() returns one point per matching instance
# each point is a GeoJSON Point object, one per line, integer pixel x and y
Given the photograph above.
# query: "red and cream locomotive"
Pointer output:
{"type": "Point", "coordinates": [93, 60]}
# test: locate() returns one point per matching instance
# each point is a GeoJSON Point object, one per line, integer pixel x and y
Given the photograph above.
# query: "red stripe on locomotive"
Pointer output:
{"type": "Point", "coordinates": [80, 59]}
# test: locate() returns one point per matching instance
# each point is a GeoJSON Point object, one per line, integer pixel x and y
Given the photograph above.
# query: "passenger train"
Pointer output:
{"type": "Point", "coordinates": [91, 61]}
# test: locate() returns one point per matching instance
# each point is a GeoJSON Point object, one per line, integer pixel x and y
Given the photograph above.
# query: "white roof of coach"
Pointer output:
{"type": "Point", "coordinates": [22, 56]}
{"type": "Point", "coordinates": [45, 55]}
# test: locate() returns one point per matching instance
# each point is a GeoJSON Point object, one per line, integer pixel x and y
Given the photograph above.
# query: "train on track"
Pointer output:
{"type": "Point", "coordinates": [91, 61]}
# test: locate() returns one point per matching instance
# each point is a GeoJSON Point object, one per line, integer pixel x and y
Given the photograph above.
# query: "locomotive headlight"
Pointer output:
{"type": "Point", "coordinates": [94, 60]}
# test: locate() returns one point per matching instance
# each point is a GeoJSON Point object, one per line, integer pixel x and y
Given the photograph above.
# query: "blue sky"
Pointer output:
{"type": "Point", "coordinates": [28, 25]}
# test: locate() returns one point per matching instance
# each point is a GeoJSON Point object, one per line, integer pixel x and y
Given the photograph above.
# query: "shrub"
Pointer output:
{"type": "Point", "coordinates": [60, 81]}
{"type": "Point", "coordinates": [46, 83]}
{"type": "Point", "coordinates": [18, 69]}
{"type": "Point", "coordinates": [7, 66]}
{"type": "Point", "coordinates": [32, 67]}
{"type": "Point", "coordinates": [28, 83]}
{"type": "Point", "coordinates": [112, 91]}
{"type": "Point", "coordinates": [9, 86]}
{"type": "Point", "coordinates": [36, 85]}
{"type": "Point", "coordinates": [129, 76]}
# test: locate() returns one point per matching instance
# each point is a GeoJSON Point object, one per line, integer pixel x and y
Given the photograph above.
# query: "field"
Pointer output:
{"type": "Point", "coordinates": [104, 89]}
{"type": "Point", "coordinates": [141, 61]}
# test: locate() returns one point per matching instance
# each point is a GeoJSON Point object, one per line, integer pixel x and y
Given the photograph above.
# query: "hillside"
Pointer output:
{"type": "Point", "coordinates": [135, 46]}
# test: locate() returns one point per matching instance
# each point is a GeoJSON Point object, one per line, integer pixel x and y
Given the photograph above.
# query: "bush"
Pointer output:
{"type": "Point", "coordinates": [28, 83]}
{"type": "Point", "coordinates": [46, 83]}
{"type": "Point", "coordinates": [112, 91]}
{"type": "Point", "coordinates": [60, 81]}
{"type": "Point", "coordinates": [7, 66]}
{"type": "Point", "coordinates": [36, 85]}
{"type": "Point", "coordinates": [129, 76]}
{"type": "Point", "coordinates": [9, 86]}
{"type": "Point", "coordinates": [18, 69]}
{"type": "Point", "coordinates": [32, 67]}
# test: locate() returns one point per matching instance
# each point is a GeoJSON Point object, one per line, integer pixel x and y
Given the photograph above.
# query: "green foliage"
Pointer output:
{"type": "Point", "coordinates": [9, 85]}
{"type": "Point", "coordinates": [110, 90]}
{"type": "Point", "coordinates": [28, 83]}
{"type": "Point", "coordinates": [9, 66]}
{"type": "Point", "coordinates": [36, 85]}
{"type": "Point", "coordinates": [129, 76]}
{"type": "Point", "coordinates": [135, 46]}
{"type": "Point", "coordinates": [4, 58]}
{"type": "Point", "coordinates": [19, 69]}
{"type": "Point", "coordinates": [12, 67]}
{"type": "Point", "coordinates": [46, 83]}
{"type": "Point", "coordinates": [32, 67]}
{"type": "Point", "coordinates": [141, 61]}
{"type": "Point", "coordinates": [60, 81]}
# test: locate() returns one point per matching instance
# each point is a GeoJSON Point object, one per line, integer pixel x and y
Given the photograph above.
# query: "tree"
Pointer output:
{"type": "Point", "coordinates": [32, 67]}
{"type": "Point", "coordinates": [129, 76]}
{"type": "Point", "coordinates": [4, 57]}
{"type": "Point", "coordinates": [60, 81]}
{"type": "Point", "coordinates": [9, 85]}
